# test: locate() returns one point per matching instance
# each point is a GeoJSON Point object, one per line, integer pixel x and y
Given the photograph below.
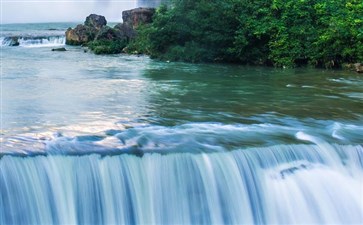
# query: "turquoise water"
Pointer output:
{"type": "Point", "coordinates": [205, 143]}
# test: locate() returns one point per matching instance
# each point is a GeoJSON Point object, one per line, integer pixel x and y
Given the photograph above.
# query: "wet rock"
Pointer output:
{"type": "Point", "coordinates": [358, 67]}
{"type": "Point", "coordinates": [95, 21]}
{"type": "Point", "coordinates": [12, 41]}
{"type": "Point", "coordinates": [134, 17]}
{"type": "Point", "coordinates": [59, 49]}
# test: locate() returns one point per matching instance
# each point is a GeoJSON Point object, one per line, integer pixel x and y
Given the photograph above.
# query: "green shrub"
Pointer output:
{"type": "Point", "coordinates": [107, 46]}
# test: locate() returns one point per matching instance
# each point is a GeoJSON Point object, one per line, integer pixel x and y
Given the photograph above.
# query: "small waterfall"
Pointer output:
{"type": "Point", "coordinates": [30, 42]}
{"type": "Point", "coordinates": [283, 184]}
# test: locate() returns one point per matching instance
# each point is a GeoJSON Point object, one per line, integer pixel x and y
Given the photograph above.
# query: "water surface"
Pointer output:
{"type": "Point", "coordinates": [204, 143]}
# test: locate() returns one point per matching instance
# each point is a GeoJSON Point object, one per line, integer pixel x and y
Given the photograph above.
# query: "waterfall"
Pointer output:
{"type": "Point", "coordinates": [30, 42]}
{"type": "Point", "coordinates": [282, 184]}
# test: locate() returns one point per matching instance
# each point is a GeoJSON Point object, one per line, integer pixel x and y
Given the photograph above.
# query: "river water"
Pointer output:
{"type": "Point", "coordinates": [122, 139]}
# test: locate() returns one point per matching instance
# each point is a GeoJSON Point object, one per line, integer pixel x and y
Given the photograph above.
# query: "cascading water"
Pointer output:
{"type": "Point", "coordinates": [284, 184]}
{"type": "Point", "coordinates": [91, 140]}
{"type": "Point", "coordinates": [30, 42]}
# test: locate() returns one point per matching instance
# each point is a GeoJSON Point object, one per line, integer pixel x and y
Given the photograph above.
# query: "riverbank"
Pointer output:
{"type": "Point", "coordinates": [279, 33]}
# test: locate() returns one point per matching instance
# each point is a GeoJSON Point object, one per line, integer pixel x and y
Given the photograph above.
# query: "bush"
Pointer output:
{"type": "Point", "coordinates": [107, 46]}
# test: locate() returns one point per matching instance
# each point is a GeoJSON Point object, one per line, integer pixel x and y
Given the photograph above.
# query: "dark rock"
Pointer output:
{"type": "Point", "coordinates": [125, 31]}
{"type": "Point", "coordinates": [108, 33]}
{"type": "Point", "coordinates": [80, 35]}
{"type": "Point", "coordinates": [358, 67]}
{"type": "Point", "coordinates": [59, 49]}
{"type": "Point", "coordinates": [12, 41]}
{"type": "Point", "coordinates": [95, 21]}
{"type": "Point", "coordinates": [134, 17]}
{"type": "Point", "coordinates": [105, 39]}
{"type": "Point", "coordinates": [83, 34]}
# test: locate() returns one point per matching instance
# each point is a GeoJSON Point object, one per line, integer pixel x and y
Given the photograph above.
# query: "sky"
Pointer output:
{"type": "Point", "coordinates": [34, 11]}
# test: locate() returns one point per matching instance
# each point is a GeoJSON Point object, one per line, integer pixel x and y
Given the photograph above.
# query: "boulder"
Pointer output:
{"type": "Point", "coordinates": [108, 33]}
{"type": "Point", "coordinates": [95, 28]}
{"type": "Point", "coordinates": [134, 17]}
{"type": "Point", "coordinates": [95, 21]}
{"type": "Point", "coordinates": [80, 35]}
{"type": "Point", "coordinates": [358, 67]}
{"type": "Point", "coordinates": [11, 41]}
{"type": "Point", "coordinates": [83, 34]}
{"type": "Point", "coordinates": [125, 31]}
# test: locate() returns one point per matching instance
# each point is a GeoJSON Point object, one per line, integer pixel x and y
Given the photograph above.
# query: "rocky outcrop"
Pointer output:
{"type": "Point", "coordinates": [80, 35]}
{"type": "Point", "coordinates": [95, 21]}
{"type": "Point", "coordinates": [103, 39]}
{"type": "Point", "coordinates": [109, 34]}
{"type": "Point", "coordinates": [134, 17]}
{"type": "Point", "coordinates": [126, 31]}
{"type": "Point", "coordinates": [83, 34]}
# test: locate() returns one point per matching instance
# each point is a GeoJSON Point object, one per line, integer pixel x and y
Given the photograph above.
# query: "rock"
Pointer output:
{"type": "Point", "coordinates": [358, 67]}
{"type": "Point", "coordinates": [80, 35]}
{"type": "Point", "coordinates": [95, 28]}
{"type": "Point", "coordinates": [125, 50]}
{"type": "Point", "coordinates": [83, 34]}
{"type": "Point", "coordinates": [12, 41]}
{"type": "Point", "coordinates": [108, 33]}
{"type": "Point", "coordinates": [95, 21]}
{"type": "Point", "coordinates": [125, 31]}
{"type": "Point", "coordinates": [59, 49]}
{"type": "Point", "coordinates": [134, 17]}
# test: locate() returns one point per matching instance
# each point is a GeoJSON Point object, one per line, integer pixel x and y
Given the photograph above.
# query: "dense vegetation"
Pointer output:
{"type": "Point", "coordinates": [324, 33]}
{"type": "Point", "coordinates": [107, 46]}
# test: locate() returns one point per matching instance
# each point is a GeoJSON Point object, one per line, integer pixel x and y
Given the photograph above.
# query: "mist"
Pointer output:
{"type": "Point", "coordinates": [28, 11]}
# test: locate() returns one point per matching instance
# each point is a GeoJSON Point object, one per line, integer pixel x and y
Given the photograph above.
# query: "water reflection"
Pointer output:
{"type": "Point", "coordinates": [230, 93]}
{"type": "Point", "coordinates": [53, 98]}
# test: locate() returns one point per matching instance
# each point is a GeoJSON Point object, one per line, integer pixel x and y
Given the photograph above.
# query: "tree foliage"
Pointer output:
{"type": "Point", "coordinates": [289, 33]}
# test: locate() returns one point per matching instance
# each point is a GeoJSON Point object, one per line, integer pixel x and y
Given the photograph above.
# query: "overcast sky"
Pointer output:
{"type": "Point", "coordinates": [32, 11]}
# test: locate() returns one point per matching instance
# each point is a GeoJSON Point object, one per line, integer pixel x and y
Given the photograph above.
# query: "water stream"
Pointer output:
{"type": "Point", "coordinates": [122, 139]}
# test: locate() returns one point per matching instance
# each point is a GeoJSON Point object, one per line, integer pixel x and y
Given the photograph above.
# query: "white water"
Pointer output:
{"type": "Point", "coordinates": [284, 184]}
{"type": "Point", "coordinates": [31, 42]}
{"type": "Point", "coordinates": [105, 137]}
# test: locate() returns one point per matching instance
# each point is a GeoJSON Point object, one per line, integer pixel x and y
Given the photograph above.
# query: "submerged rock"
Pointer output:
{"type": "Point", "coordinates": [11, 41]}
{"type": "Point", "coordinates": [134, 17]}
{"type": "Point", "coordinates": [59, 49]}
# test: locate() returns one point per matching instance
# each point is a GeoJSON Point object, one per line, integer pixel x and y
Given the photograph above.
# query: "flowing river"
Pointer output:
{"type": "Point", "coordinates": [120, 139]}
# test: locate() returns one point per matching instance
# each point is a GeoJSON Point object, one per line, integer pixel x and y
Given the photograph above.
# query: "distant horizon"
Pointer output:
{"type": "Point", "coordinates": [44, 22]}
{"type": "Point", "coordinates": [52, 11]}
